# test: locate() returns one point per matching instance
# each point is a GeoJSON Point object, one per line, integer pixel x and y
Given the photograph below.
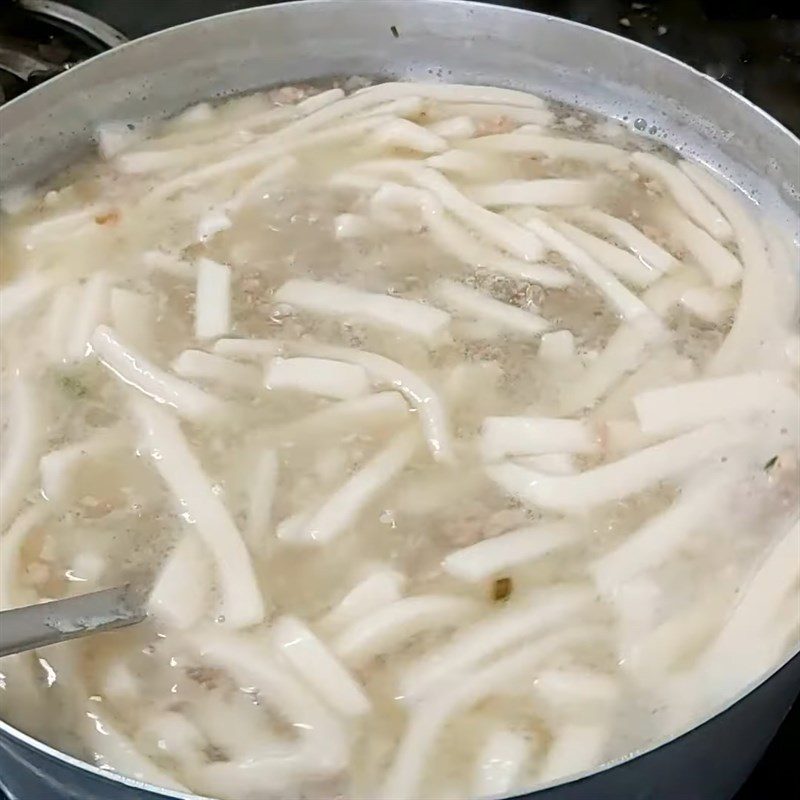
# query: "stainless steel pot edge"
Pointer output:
{"type": "Point", "coordinates": [790, 193]}
{"type": "Point", "coordinates": [679, 130]}
{"type": "Point", "coordinates": [77, 763]}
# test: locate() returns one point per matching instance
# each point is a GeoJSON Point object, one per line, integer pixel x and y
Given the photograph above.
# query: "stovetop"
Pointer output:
{"type": "Point", "coordinates": [40, 39]}
{"type": "Point", "coordinates": [752, 47]}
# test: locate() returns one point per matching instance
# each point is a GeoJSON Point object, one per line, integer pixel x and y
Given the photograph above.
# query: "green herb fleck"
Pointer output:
{"type": "Point", "coordinates": [771, 463]}
{"type": "Point", "coordinates": [395, 32]}
{"type": "Point", "coordinates": [72, 386]}
{"type": "Point", "coordinates": [501, 589]}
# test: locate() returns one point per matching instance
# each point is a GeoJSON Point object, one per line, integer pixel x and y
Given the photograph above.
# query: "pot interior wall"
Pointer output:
{"type": "Point", "coordinates": [440, 40]}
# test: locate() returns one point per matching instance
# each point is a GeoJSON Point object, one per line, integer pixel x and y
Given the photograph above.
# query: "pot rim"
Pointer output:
{"type": "Point", "coordinates": [618, 39]}
{"type": "Point", "coordinates": [610, 38]}
{"type": "Point", "coordinates": [73, 761]}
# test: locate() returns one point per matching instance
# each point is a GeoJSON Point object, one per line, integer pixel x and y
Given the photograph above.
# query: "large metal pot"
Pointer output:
{"type": "Point", "coordinates": [436, 40]}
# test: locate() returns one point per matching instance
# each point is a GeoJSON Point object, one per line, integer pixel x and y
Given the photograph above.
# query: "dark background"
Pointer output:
{"type": "Point", "coordinates": [753, 47]}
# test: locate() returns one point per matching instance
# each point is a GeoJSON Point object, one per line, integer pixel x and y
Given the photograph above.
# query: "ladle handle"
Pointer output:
{"type": "Point", "coordinates": [30, 627]}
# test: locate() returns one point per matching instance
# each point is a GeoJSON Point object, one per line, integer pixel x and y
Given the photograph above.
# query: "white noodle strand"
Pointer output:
{"type": "Point", "coordinates": [502, 232]}
{"type": "Point", "coordinates": [533, 614]}
{"type": "Point", "coordinates": [721, 266]}
{"type": "Point", "coordinates": [618, 479]}
{"type": "Point", "coordinates": [709, 304]}
{"type": "Point", "coordinates": [133, 316]}
{"type": "Point", "coordinates": [180, 596]}
{"type": "Point", "coordinates": [576, 746]}
{"type": "Point", "coordinates": [407, 135]}
{"type": "Point", "coordinates": [320, 751]}
{"type": "Point", "coordinates": [460, 162]}
{"type": "Point", "coordinates": [212, 316]}
{"type": "Point", "coordinates": [419, 393]}
{"type": "Point", "coordinates": [321, 100]}
{"type": "Point", "coordinates": [242, 603]}
{"type": "Point", "coordinates": [540, 192]}
{"type": "Point", "coordinates": [548, 147]}
{"type": "Point", "coordinates": [59, 321]}
{"type": "Point", "coordinates": [22, 447]}
{"type": "Point", "coordinates": [557, 347]}
{"type": "Point", "coordinates": [20, 297]}
{"type": "Point", "coordinates": [681, 407]}
{"type": "Point", "coordinates": [740, 652]}
{"type": "Point", "coordinates": [342, 508]}
{"type": "Point", "coordinates": [113, 750]}
{"type": "Point", "coordinates": [252, 349]}
{"type": "Point", "coordinates": [752, 339]}
{"type": "Point", "coordinates": [320, 667]}
{"type": "Point", "coordinates": [475, 304]}
{"type": "Point", "coordinates": [273, 145]}
{"type": "Point", "coordinates": [652, 254]}
{"type": "Point", "coordinates": [202, 366]}
{"type": "Point", "coordinates": [454, 128]}
{"type": "Point", "coordinates": [622, 264]}
{"type": "Point", "coordinates": [326, 377]}
{"type": "Point", "coordinates": [427, 720]}
{"type": "Point", "coordinates": [58, 468]}
{"type": "Point", "coordinates": [276, 171]}
{"type": "Point", "coordinates": [134, 369]}
{"type": "Point", "coordinates": [690, 199]}
{"type": "Point", "coordinates": [380, 410]}
{"type": "Point", "coordinates": [501, 553]}
{"type": "Point", "coordinates": [452, 238]}
{"type": "Point", "coordinates": [497, 112]}
{"type": "Point", "coordinates": [262, 488]}
{"type": "Point", "coordinates": [388, 627]}
{"type": "Point", "coordinates": [624, 352]}
{"type": "Point", "coordinates": [12, 542]}
{"type": "Point", "coordinates": [658, 539]}
{"type": "Point", "coordinates": [91, 311]}
{"type": "Point", "coordinates": [451, 93]}
{"type": "Point", "coordinates": [523, 436]}
{"type": "Point", "coordinates": [627, 304]}
{"type": "Point", "coordinates": [500, 763]}
{"type": "Point", "coordinates": [405, 316]}
{"type": "Point", "coordinates": [380, 588]}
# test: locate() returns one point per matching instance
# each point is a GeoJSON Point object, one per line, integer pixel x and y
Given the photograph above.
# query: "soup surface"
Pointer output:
{"type": "Point", "coordinates": [452, 434]}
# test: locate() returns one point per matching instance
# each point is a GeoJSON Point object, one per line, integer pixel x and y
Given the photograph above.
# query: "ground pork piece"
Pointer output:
{"type": "Point", "coordinates": [497, 124]}
{"type": "Point", "coordinates": [290, 95]}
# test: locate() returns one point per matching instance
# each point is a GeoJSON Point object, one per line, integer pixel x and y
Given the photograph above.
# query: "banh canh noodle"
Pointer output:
{"type": "Point", "coordinates": [453, 432]}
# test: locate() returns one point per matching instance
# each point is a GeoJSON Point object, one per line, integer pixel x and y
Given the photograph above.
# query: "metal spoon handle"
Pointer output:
{"type": "Point", "coordinates": [29, 627]}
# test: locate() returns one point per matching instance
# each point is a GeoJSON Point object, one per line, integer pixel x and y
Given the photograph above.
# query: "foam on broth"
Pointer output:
{"type": "Point", "coordinates": [538, 516]}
